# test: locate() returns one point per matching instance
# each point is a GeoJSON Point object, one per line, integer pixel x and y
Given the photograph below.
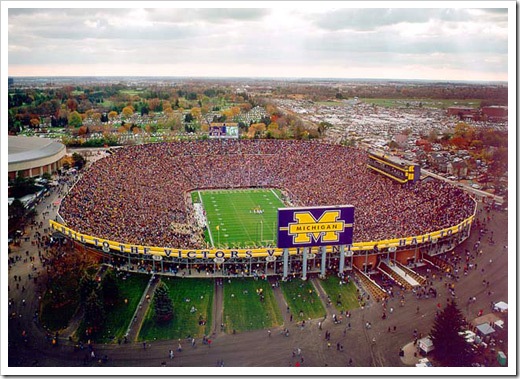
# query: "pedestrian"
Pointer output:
{"type": "Point", "coordinates": [269, 333]}
{"type": "Point", "coordinates": [171, 354]}
{"type": "Point", "coordinates": [144, 345]}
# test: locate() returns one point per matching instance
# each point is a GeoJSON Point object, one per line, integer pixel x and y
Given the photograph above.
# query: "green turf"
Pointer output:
{"type": "Point", "coordinates": [243, 309]}
{"type": "Point", "coordinates": [184, 323]}
{"type": "Point", "coordinates": [238, 226]}
{"type": "Point", "coordinates": [301, 296]}
{"type": "Point", "coordinates": [345, 293]}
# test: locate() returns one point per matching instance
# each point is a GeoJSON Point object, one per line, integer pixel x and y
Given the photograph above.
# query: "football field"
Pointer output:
{"type": "Point", "coordinates": [240, 218]}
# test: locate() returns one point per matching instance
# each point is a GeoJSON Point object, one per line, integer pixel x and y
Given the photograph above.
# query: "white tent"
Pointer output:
{"type": "Point", "coordinates": [425, 344]}
{"type": "Point", "coordinates": [500, 307]}
{"type": "Point", "coordinates": [485, 329]}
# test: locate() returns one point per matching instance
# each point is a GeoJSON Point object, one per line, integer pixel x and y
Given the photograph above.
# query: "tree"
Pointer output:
{"type": "Point", "coordinates": [75, 120]}
{"type": "Point", "coordinates": [79, 160]}
{"type": "Point", "coordinates": [16, 212]}
{"type": "Point", "coordinates": [256, 130]}
{"type": "Point", "coordinates": [112, 115]}
{"type": "Point", "coordinates": [451, 349]}
{"type": "Point", "coordinates": [87, 284]}
{"type": "Point", "coordinates": [163, 304]}
{"type": "Point", "coordinates": [94, 311]}
{"type": "Point", "coordinates": [127, 112]}
{"type": "Point", "coordinates": [109, 289]}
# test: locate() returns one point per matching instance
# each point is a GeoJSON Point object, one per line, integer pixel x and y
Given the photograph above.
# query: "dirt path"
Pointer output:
{"type": "Point", "coordinates": [137, 322]}
{"type": "Point", "coordinates": [280, 300]}
{"type": "Point", "coordinates": [218, 308]}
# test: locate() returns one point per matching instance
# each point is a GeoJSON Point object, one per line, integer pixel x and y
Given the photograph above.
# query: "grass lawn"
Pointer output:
{"type": "Point", "coordinates": [426, 103]}
{"type": "Point", "coordinates": [232, 221]}
{"type": "Point", "coordinates": [57, 317]}
{"type": "Point", "coordinates": [301, 296]}
{"type": "Point", "coordinates": [346, 293]}
{"type": "Point", "coordinates": [118, 317]}
{"type": "Point", "coordinates": [243, 308]}
{"type": "Point", "coordinates": [184, 323]}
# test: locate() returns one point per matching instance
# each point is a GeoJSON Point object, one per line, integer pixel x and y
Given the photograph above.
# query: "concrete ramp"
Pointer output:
{"type": "Point", "coordinates": [397, 274]}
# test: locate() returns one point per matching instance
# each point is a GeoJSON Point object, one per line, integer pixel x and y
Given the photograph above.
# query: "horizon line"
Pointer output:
{"type": "Point", "coordinates": [260, 77]}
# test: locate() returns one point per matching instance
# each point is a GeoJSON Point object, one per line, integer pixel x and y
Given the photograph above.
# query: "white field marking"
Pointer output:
{"type": "Point", "coordinates": [209, 228]}
{"type": "Point", "coordinates": [274, 193]}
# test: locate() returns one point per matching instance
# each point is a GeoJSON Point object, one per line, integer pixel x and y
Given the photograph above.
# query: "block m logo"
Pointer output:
{"type": "Point", "coordinates": [305, 227]}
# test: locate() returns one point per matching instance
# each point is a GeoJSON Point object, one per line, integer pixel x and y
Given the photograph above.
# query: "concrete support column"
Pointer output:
{"type": "Point", "coordinates": [366, 261]}
{"type": "Point", "coordinates": [323, 261]}
{"type": "Point", "coordinates": [341, 259]}
{"type": "Point", "coordinates": [285, 263]}
{"type": "Point", "coordinates": [304, 264]}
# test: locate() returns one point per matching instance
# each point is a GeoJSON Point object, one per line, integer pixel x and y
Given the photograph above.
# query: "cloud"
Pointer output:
{"type": "Point", "coordinates": [370, 19]}
{"type": "Point", "coordinates": [255, 38]}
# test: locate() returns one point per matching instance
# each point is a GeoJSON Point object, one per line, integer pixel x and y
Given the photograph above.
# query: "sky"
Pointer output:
{"type": "Point", "coordinates": [261, 39]}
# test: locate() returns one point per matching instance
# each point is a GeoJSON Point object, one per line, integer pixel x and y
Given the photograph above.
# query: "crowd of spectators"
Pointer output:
{"type": "Point", "coordinates": [134, 195]}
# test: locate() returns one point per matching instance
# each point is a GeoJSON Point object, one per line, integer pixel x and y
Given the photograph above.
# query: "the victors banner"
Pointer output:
{"type": "Point", "coordinates": [315, 226]}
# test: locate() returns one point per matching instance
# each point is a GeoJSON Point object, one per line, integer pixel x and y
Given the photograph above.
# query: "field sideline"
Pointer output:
{"type": "Point", "coordinates": [241, 218]}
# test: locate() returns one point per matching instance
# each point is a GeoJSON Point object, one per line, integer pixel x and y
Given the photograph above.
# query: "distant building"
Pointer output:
{"type": "Point", "coordinates": [439, 162]}
{"type": "Point", "coordinates": [464, 113]}
{"type": "Point", "coordinates": [401, 139]}
{"type": "Point", "coordinates": [10, 81]}
{"type": "Point", "coordinates": [458, 168]}
{"type": "Point", "coordinates": [495, 113]}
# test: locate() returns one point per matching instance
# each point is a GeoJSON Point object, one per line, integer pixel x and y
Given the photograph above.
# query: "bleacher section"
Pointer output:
{"type": "Point", "coordinates": [389, 271]}
{"type": "Point", "coordinates": [437, 262]}
{"type": "Point", "coordinates": [375, 290]}
{"type": "Point", "coordinates": [411, 273]}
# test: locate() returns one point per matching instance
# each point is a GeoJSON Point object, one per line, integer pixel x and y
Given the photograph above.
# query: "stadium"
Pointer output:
{"type": "Point", "coordinates": [33, 156]}
{"type": "Point", "coordinates": [209, 207]}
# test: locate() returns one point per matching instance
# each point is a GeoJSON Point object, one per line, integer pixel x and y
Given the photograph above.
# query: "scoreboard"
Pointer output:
{"type": "Point", "coordinates": [223, 130]}
{"type": "Point", "coordinates": [395, 168]}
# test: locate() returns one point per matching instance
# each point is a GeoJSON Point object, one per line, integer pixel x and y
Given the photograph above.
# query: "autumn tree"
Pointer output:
{"type": "Point", "coordinates": [35, 122]}
{"type": "Point", "coordinates": [451, 349]}
{"type": "Point", "coordinates": [196, 113]}
{"type": "Point", "coordinates": [112, 115]}
{"type": "Point", "coordinates": [273, 130]}
{"type": "Point", "coordinates": [127, 112]}
{"type": "Point", "coordinates": [256, 130]}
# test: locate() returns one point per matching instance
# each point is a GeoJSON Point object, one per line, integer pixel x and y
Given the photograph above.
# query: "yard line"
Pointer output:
{"type": "Point", "coordinates": [274, 193]}
{"type": "Point", "coordinates": [208, 226]}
